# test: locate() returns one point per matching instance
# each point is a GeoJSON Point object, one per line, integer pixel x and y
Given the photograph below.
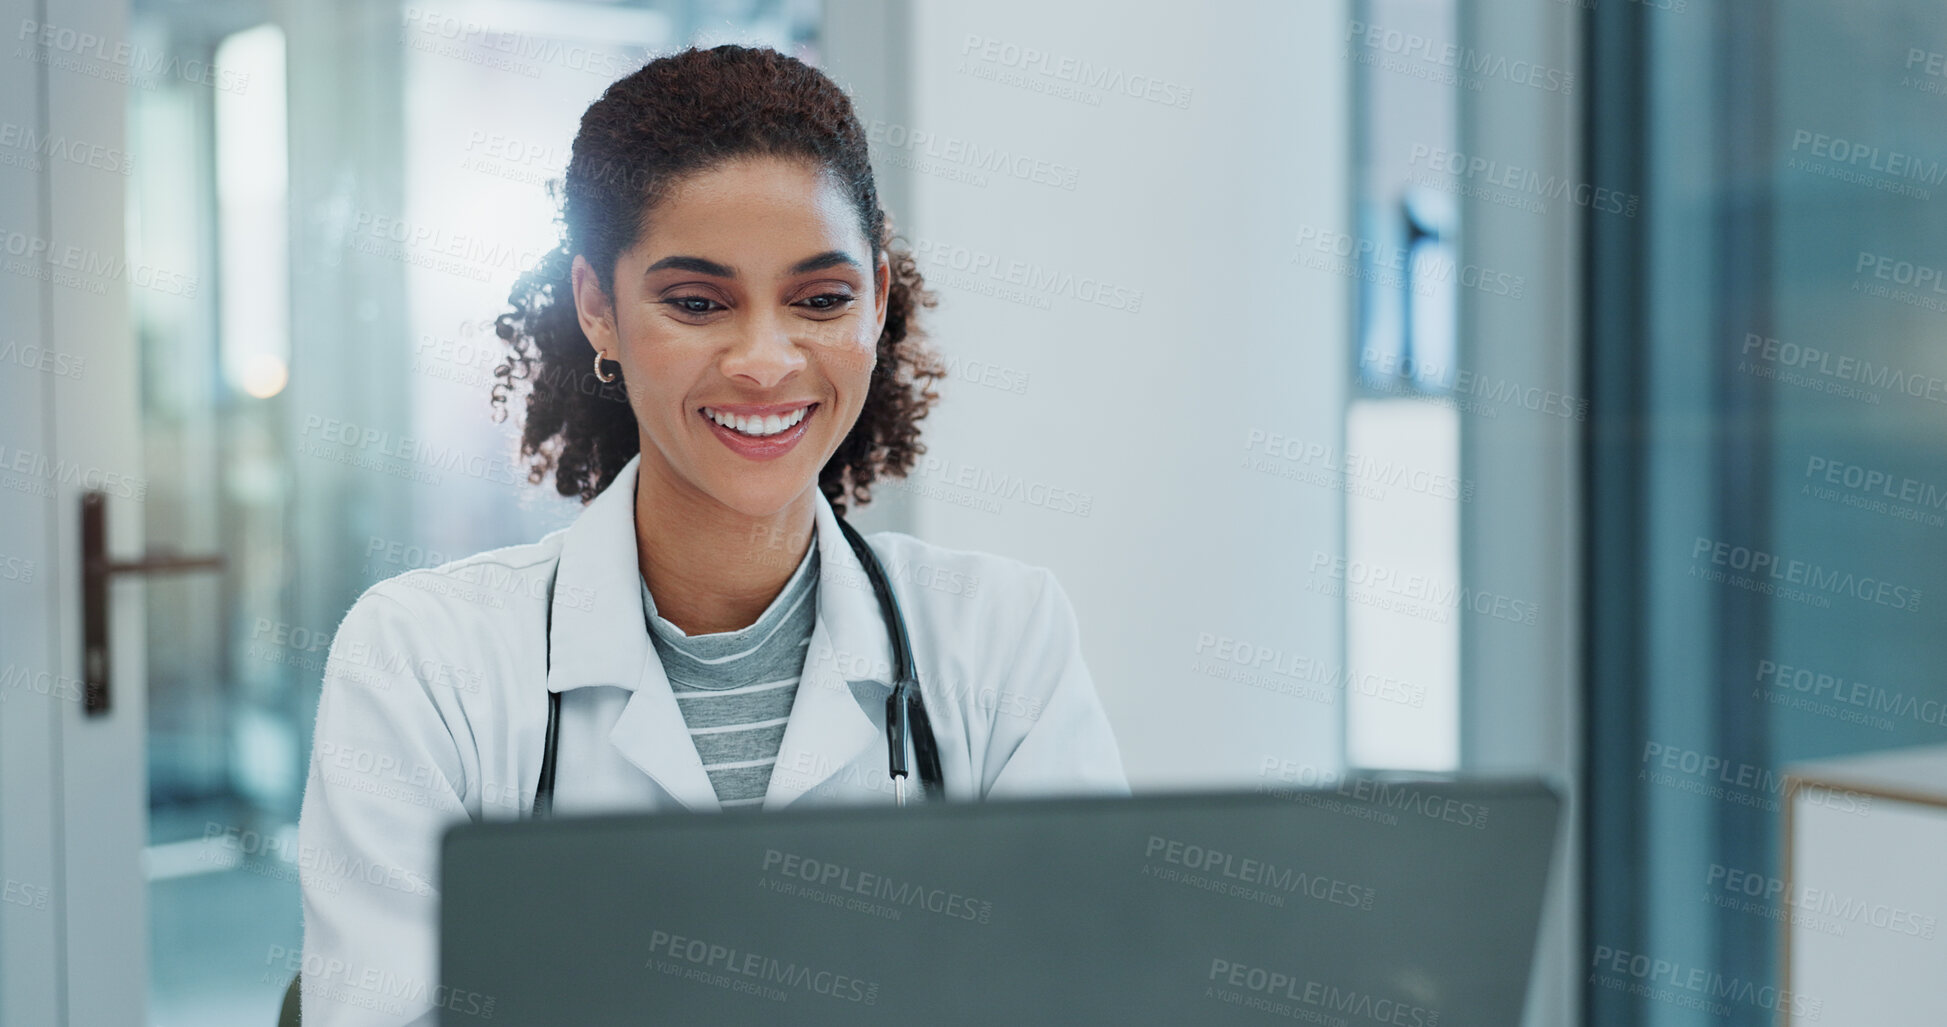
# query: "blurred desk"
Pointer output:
{"type": "Point", "coordinates": [1865, 889]}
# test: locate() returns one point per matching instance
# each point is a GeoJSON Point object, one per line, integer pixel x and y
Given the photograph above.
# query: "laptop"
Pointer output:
{"type": "Point", "coordinates": [1373, 901]}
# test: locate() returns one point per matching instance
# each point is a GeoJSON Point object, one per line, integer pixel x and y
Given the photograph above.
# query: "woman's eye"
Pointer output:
{"type": "Point", "coordinates": [829, 301]}
{"type": "Point", "coordinates": [694, 304]}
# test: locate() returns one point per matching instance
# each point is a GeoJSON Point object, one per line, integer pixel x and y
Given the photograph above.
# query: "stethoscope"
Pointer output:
{"type": "Point", "coordinates": [905, 710]}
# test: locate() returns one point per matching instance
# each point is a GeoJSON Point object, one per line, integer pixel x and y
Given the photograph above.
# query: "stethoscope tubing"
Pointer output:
{"type": "Point", "coordinates": [906, 719]}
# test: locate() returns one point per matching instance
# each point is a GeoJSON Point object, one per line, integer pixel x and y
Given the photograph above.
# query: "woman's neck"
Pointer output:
{"type": "Point", "coordinates": [711, 569]}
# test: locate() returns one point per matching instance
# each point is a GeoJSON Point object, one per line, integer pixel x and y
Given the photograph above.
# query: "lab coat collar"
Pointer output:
{"type": "Point", "coordinates": [598, 635]}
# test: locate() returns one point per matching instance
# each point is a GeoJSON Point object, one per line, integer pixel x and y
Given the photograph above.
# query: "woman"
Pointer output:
{"type": "Point", "coordinates": [715, 642]}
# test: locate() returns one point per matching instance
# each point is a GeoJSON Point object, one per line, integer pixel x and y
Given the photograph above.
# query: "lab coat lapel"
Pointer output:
{"type": "Point", "coordinates": [652, 734]}
{"type": "Point", "coordinates": [828, 729]}
{"type": "Point", "coordinates": [598, 634]}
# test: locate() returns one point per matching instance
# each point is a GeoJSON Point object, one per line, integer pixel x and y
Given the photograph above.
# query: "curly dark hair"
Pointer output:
{"type": "Point", "coordinates": [676, 116]}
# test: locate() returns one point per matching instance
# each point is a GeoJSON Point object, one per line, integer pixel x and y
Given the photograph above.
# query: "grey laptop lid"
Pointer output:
{"type": "Point", "coordinates": [1373, 902]}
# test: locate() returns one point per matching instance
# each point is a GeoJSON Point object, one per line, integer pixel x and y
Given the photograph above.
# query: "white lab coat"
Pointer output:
{"type": "Point", "coordinates": [433, 712]}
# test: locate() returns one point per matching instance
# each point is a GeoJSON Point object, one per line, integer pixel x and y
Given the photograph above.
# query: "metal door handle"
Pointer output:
{"type": "Point", "coordinates": [97, 570]}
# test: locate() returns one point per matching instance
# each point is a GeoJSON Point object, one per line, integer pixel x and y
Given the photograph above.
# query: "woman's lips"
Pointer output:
{"type": "Point", "coordinates": [768, 447]}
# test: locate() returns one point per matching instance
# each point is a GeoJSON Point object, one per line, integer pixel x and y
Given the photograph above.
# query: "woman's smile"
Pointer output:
{"type": "Point", "coordinates": [759, 432]}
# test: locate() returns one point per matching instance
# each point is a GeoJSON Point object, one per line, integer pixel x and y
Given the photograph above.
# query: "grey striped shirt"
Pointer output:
{"type": "Point", "coordinates": [735, 688]}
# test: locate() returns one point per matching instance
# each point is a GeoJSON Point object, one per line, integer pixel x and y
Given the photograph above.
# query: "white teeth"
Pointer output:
{"type": "Point", "coordinates": [756, 427]}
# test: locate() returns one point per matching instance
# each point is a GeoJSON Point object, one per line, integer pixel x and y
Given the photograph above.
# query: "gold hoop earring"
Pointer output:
{"type": "Point", "coordinates": [598, 369]}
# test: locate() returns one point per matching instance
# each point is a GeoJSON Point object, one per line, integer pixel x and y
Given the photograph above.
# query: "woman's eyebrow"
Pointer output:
{"type": "Point", "coordinates": [702, 266]}
{"type": "Point", "coordinates": [829, 258]}
{"type": "Point", "coordinates": [696, 264]}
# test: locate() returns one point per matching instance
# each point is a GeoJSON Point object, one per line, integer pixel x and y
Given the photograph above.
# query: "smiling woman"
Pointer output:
{"type": "Point", "coordinates": [720, 355]}
{"type": "Point", "coordinates": [700, 128]}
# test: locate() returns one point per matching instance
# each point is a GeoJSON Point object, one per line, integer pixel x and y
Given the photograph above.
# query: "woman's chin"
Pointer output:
{"type": "Point", "coordinates": [762, 494]}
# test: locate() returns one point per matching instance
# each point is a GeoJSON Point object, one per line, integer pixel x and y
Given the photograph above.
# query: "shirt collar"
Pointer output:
{"type": "Point", "coordinates": [598, 630]}
{"type": "Point", "coordinates": [794, 585]}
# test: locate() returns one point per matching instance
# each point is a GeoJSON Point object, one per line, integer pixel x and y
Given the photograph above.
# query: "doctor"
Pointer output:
{"type": "Point", "coordinates": [721, 353]}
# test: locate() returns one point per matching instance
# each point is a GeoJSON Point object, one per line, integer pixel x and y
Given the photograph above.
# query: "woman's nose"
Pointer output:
{"type": "Point", "coordinates": [765, 352]}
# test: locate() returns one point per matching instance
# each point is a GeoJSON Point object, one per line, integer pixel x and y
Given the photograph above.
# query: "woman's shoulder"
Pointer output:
{"type": "Point", "coordinates": [459, 632]}
{"type": "Point", "coordinates": [497, 584]}
{"type": "Point", "coordinates": [925, 568]}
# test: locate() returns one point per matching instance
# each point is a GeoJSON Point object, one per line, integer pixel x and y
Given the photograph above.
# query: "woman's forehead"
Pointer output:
{"type": "Point", "coordinates": [761, 205]}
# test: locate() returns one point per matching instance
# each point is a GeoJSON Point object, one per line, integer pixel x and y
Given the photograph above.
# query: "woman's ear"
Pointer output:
{"type": "Point", "coordinates": [881, 293]}
{"type": "Point", "coordinates": [594, 309]}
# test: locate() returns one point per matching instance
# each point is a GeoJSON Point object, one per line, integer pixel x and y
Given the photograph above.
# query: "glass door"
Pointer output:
{"type": "Point", "coordinates": [344, 196]}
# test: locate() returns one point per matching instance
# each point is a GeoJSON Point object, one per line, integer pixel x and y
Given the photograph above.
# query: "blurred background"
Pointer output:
{"type": "Point", "coordinates": [1441, 385]}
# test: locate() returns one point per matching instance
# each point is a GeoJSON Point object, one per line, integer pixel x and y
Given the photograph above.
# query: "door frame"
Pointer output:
{"type": "Point", "coordinates": [73, 788]}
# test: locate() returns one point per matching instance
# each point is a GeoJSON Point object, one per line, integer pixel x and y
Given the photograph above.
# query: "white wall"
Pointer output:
{"type": "Point", "coordinates": [1190, 213]}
